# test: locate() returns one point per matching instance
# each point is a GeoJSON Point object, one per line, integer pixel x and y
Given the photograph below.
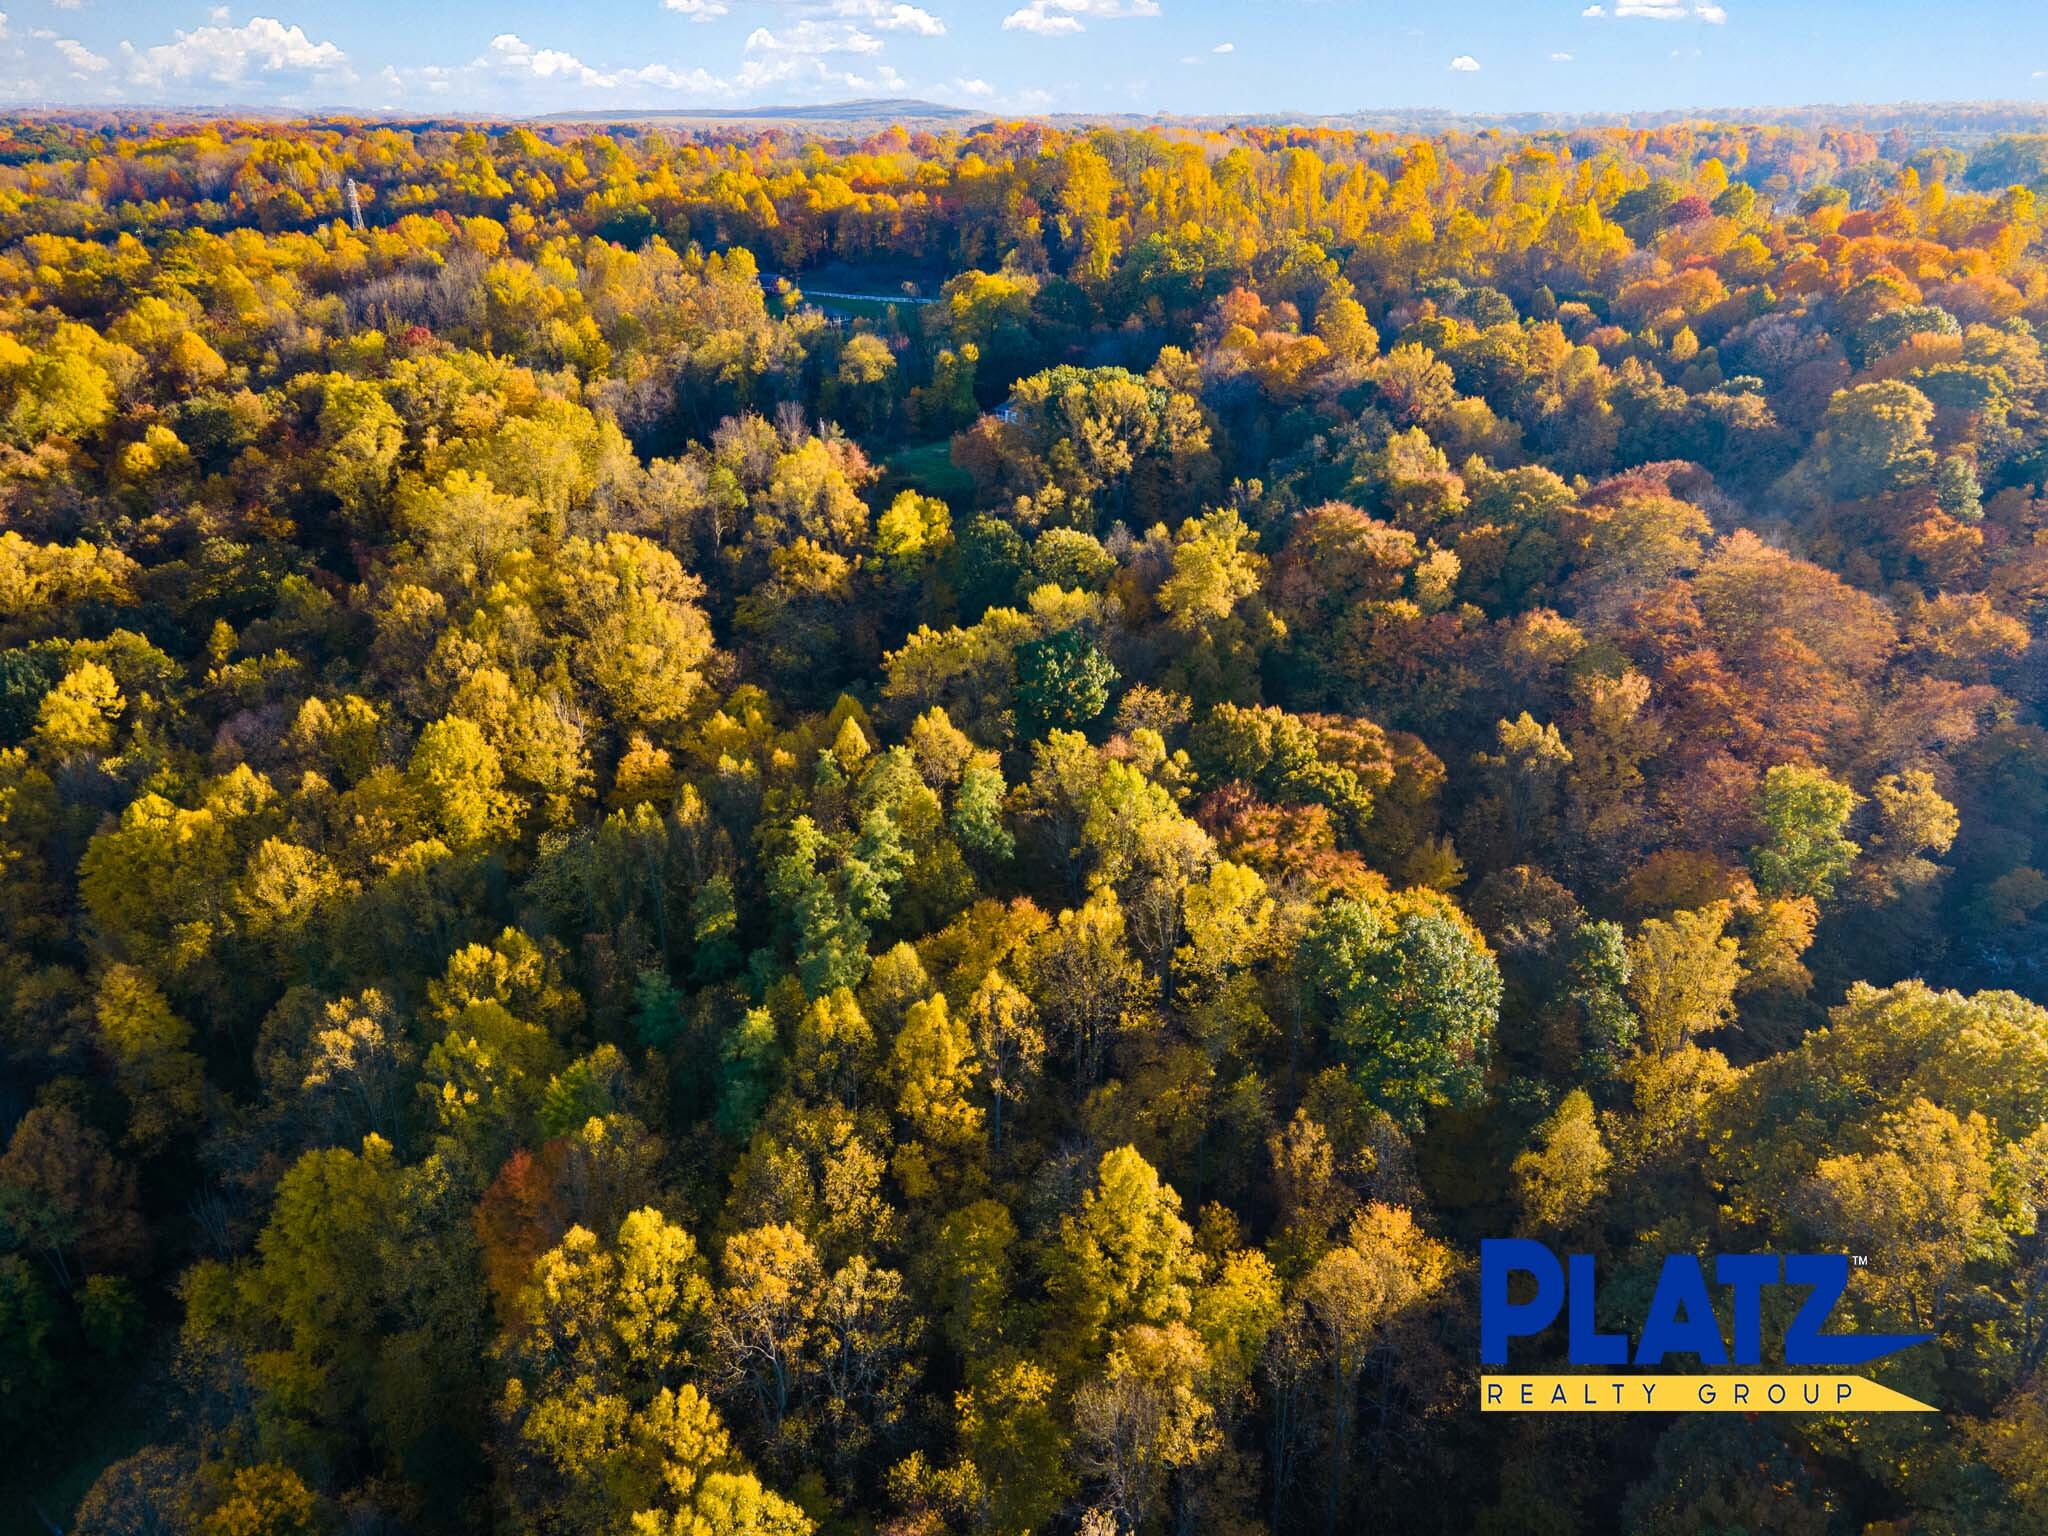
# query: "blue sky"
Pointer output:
{"type": "Point", "coordinates": [521, 56]}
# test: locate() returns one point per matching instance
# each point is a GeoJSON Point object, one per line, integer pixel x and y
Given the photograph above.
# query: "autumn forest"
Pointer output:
{"type": "Point", "coordinates": [727, 833]}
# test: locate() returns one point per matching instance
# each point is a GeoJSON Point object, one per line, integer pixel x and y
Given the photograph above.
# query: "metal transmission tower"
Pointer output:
{"type": "Point", "coordinates": [355, 205]}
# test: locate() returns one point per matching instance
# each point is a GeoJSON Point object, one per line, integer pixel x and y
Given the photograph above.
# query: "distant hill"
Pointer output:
{"type": "Point", "coordinates": [880, 109]}
{"type": "Point", "coordinates": [1922, 122]}
{"type": "Point", "coordinates": [1961, 123]}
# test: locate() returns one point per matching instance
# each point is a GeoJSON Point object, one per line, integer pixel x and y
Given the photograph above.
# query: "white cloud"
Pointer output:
{"type": "Point", "coordinates": [976, 88]}
{"type": "Point", "coordinates": [3, 23]}
{"type": "Point", "coordinates": [1058, 18]}
{"type": "Point", "coordinates": [80, 57]}
{"type": "Point", "coordinates": [793, 75]}
{"type": "Point", "coordinates": [1708, 11]}
{"type": "Point", "coordinates": [223, 55]}
{"type": "Point", "coordinates": [1035, 18]}
{"type": "Point", "coordinates": [67, 5]}
{"type": "Point", "coordinates": [1560, 58]}
{"type": "Point", "coordinates": [693, 82]}
{"type": "Point", "coordinates": [511, 57]}
{"type": "Point", "coordinates": [1224, 48]}
{"type": "Point", "coordinates": [798, 58]}
{"type": "Point", "coordinates": [811, 38]}
{"type": "Point", "coordinates": [437, 79]}
{"type": "Point", "coordinates": [891, 16]}
{"type": "Point", "coordinates": [220, 13]}
{"type": "Point", "coordinates": [511, 54]}
{"type": "Point", "coordinates": [697, 10]}
{"type": "Point", "coordinates": [1465, 64]}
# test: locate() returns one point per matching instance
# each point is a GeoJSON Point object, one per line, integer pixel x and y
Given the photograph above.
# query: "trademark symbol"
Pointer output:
{"type": "Point", "coordinates": [1861, 1260]}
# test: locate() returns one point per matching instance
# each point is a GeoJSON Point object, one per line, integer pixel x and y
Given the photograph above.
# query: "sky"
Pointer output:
{"type": "Point", "coordinates": [518, 57]}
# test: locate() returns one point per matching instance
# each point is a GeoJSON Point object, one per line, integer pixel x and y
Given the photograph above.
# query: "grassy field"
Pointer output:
{"type": "Point", "coordinates": [842, 307]}
{"type": "Point", "coordinates": [927, 467]}
{"type": "Point", "coordinates": [850, 294]}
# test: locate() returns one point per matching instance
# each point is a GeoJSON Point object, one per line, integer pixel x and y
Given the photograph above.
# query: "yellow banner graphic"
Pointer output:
{"type": "Point", "coordinates": [1641, 1392]}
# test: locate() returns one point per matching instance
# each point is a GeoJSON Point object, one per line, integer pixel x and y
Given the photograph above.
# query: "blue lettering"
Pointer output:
{"type": "Point", "coordinates": [1588, 1345]}
{"type": "Point", "coordinates": [1681, 1317]}
{"type": "Point", "coordinates": [1805, 1344]}
{"type": "Point", "coordinates": [1747, 1274]}
{"type": "Point", "coordinates": [1501, 1319]}
{"type": "Point", "coordinates": [1681, 1320]}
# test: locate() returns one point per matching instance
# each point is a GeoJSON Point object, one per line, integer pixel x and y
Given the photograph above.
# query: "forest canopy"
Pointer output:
{"type": "Point", "coordinates": [635, 903]}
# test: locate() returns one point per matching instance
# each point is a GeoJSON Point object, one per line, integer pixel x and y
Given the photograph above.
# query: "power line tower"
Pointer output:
{"type": "Point", "coordinates": [355, 205]}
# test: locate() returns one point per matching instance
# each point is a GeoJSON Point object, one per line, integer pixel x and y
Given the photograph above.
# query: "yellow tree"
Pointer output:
{"type": "Point", "coordinates": [934, 1068]}
{"type": "Point", "coordinates": [1559, 1178]}
{"type": "Point", "coordinates": [1125, 1257]}
{"type": "Point", "coordinates": [1683, 973]}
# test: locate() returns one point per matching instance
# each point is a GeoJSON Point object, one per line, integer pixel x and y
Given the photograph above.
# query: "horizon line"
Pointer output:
{"type": "Point", "coordinates": [911, 108]}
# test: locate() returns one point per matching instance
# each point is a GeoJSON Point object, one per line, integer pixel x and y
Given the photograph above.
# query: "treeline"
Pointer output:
{"type": "Point", "coordinates": [626, 906]}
